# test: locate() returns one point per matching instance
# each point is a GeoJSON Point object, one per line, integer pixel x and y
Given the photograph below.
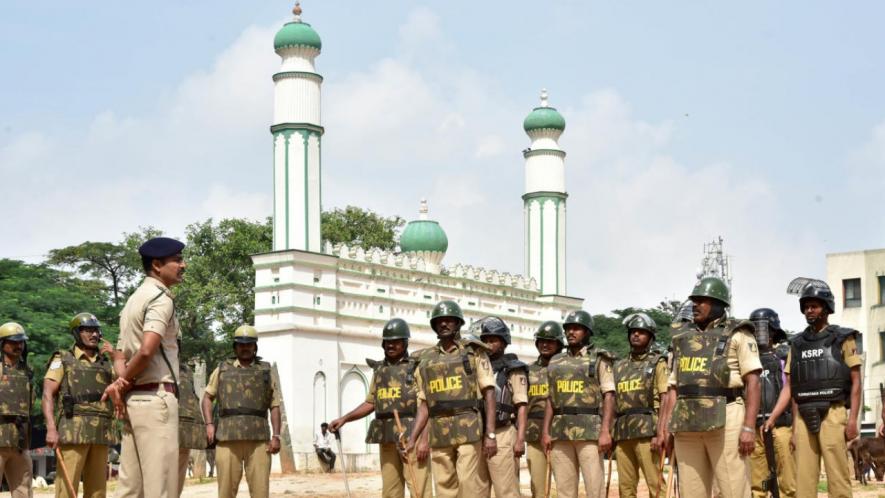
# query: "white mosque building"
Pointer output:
{"type": "Point", "coordinates": [319, 309]}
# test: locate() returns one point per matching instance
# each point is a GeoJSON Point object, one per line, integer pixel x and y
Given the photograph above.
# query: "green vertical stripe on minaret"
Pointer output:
{"type": "Point", "coordinates": [306, 134]}
{"type": "Point", "coordinates": [320, 181]}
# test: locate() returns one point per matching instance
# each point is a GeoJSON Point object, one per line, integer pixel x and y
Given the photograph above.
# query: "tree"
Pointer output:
{"type": "Point", "coordinates": [99, 260]}
{"type": "Point", "coordinates": [609, 332]}
{"type": "Point", "coordinates": [43, 300]}
{"type": "Point", "coordinates": [361, 227]}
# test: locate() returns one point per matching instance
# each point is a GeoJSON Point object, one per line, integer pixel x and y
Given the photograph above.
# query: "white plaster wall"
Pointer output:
{"type": "Point", "coordinates": [296, 193]}
{"type": "Point", "coordinates": [561, 252]}
{"type": "Point", "coordinates": [279, 197]}
{"type": "Point", "coordinates": [534, 242]}
{"type": "Point", "coordinates": [551, 251]}
{"type": "Point", "coordinates": [297, 100]}
{"type": "Point", "coordinates": [298, 59]}
{"type": "Point", "coordinates": [544, 172]}
{"type": "Point", "coordinates": [313, 192]}
{"type": "Point", "coordinates": [545, 139]}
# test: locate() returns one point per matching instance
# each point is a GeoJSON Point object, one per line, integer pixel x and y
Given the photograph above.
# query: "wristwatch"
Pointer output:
{"type": "Point", "coordinates": [490, 435]}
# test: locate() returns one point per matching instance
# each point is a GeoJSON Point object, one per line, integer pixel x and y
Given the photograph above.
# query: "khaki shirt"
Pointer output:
{"type": "Point", "coordinates": [849, 353]}
{"type": "Point", "coordinates": [742, 357]}
{"type": "Point", "coordinates": [485, 377]}
{"type": "Point", "coordinates": [519, 386]}
{"type": "Point", "coordinates": [150, 309]}
{"type": "Point", "coordinates": [603, 372]}
{"type": "Point", "coordinates": [56, 370]}
{"type": "Point", "coordinates": [212, 386]}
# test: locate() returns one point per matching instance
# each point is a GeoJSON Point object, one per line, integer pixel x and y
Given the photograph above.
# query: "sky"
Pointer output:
{"type": "Point", "coordinates": [760, 122]}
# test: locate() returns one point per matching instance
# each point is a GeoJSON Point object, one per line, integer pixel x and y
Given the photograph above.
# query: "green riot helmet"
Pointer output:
{"type": "Point", "coordinates": [819, 290]}
{"type": "Point", "coordinates": [245, 334]}
{"type": "Point", "coordinates": [396, 328]}
{"type": "Point", "coordinates": [641, 321]}
{"type": "Point", "coordinates": [82, 320]}
{"type": "Point", "coordinates": [445, 309]}
{"type": "Point", "coordinates": [492, 325]}
{"type": "Point", "coordinates": [550, 330]}
{"type": "Point", "coordinates": [712, 287]}
{"type": "Point", "coordinates": [12, 331]}
{"type": "Point", "coordinates": [579, 317]}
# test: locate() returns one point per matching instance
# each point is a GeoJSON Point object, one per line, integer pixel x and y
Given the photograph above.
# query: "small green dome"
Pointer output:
{"type": "Point", "coordinates": [295, 34]}
{"type": "Point", "coordinates": [423, 235]}
{"type": "Point", "coordinates": [544, 117]}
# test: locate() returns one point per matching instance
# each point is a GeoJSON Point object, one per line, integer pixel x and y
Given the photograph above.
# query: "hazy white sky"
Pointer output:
{"type": "Point", "coordinates": [760, 122]}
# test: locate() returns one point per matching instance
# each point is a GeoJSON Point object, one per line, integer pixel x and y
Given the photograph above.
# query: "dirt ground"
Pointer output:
{"type": "Point", "coordinates": [368, 484]}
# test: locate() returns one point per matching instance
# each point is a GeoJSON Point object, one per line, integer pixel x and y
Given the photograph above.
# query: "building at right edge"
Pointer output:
{"type": "Point", "coordinates": [857, 280]}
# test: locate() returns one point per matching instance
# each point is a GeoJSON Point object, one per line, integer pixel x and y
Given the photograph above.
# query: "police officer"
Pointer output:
{"type": "Point", "coordinates": [580, 409]}
{"type": "Point", "coordinates": [511, 399]}
{"type": "Point", "coordinates": [191, 427]}
{"type": "Point", "coordinates": [823, 374]}
{"type": "Point", "coordinates": [549, 341]}
{"type": "Point", "coordinates": [641, 382]}
{"type": "Point", "coordinates": [15, 410]}
{"type": "Point", "coordinates": [393, 388]}
{"type": "Point", "coordinates": [85, 425]}
{"type": "Point", "coordinates": [145, 393]}
{"type": "Point", "coordinates": [246, 391]}
{"type": "Point", "coordinates": [773, 351]}
{"type": "Point", "coordinates": [714, 417]}
{"type": "Point", "coordinates": [455, 381]}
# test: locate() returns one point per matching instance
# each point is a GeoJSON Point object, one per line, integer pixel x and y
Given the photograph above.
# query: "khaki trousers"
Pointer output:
{"type": "Point", "coordinates": [632, 456]}
{"type": "Point", "coordinates": [568, 458]}
{"type": "Point", "coordinates": [15, 465]}
{"type": "Point", "coordinates": [395, 474]}
{"type": "Point", "coordinates": [232, 457]}
{"type": "Point", "coordinates": [183, 456]}
{"type": "Point", "coordinates": [86, 461]}
{"type": "Point", "coordinates": [537, 463]}
{"type": "Point", "coordinates": [456, 470]}
{"type": "Point", "coordinates": [786, 466]}
{"type": "Point", "coordinates": [503, 468]}
{"type": "Point", "coordinates": [701, 456]}
{"type": "Point", "coordinates": [149, 452]}
{"type": "Point", "coordinates": [830, 444]}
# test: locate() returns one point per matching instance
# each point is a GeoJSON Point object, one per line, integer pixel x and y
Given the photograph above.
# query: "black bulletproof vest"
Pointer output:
{"type": "Point", "coordinates": [817, 370]}
{"type": "Point", "coordinates": [771, 383]}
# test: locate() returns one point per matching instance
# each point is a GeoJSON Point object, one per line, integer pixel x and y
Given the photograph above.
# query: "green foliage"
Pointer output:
{"type": "Point", "coordinates": [99, 260]}
{"type": "Point", "coordinates": [355, 226]}
{"type": "Point", "coordinates": [43, 300]}
{"type": "Point", "coordinates": [609, 332]}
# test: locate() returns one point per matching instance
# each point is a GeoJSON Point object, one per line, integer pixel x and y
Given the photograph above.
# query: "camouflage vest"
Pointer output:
{"type": "Point", "coordinates": [191, 429]}
{"type": "Point", "coordinates": [635, 397]}
{"type": "Point", "coordinates": [244, 397]}
{"type": "Point", "coordinates": [700, 361]}
{"type": "Point", "coordinates": [83, 419]}
{"type": "Point", "coordinates": [395, 389]}
{"type": "Point", "coordinates": [576, 395]}
{"type": "Point", "coordinates": [538, 390]}
{"type": "Point", "coordinates": [450, 389]}
{"type": "Point", "coordinates": [15, 393]}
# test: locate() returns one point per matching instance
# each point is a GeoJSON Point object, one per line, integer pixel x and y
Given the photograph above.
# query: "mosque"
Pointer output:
{"type": "Point", "coordinates": [319, 308]}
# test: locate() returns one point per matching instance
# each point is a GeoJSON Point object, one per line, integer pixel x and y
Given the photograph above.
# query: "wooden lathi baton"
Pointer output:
{"type": "Point", "coordinates": [408, 461]}
{"type": "Point", "coordinates": [549, 476]}
{"type": "Point", "coordinates": [661, 474]}
{"type": "Point", "coordinates": [670, 481]}
{"type": "Point", "coordinates": [608, 480]}
{"type": "Point", "coordinates": [64, 473]}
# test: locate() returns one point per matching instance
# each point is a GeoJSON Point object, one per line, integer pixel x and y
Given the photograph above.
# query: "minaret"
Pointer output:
{"type": "Point", "coordinates": [544, 199]}
{"type": "Point", "coordinates": [297, 136]}
{"type": "Point", "coordinates": [425, 239]}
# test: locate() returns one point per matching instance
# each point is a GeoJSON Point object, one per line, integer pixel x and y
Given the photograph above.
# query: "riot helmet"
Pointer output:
{"type": "Point", "coordinates": [819, 290]}
{"type": "Point", "coordinates": [444, 309]}
{"type": "Point", "coordinates": [641, 321]}
{"type": "Point", "coordinates": [712, 287]}
{"type": "Point", "coordinates": [492, 325]}
{"type": "Point", "coordinates": [83, 320]}
{"type": "Point", "coordinates": [245, 334]}
{"type": "Point", "coordinates": [768, 327]}
{"type": "Point", "coordinates": [582, 318]}
{"type": "Point", "coordinates": [12, 331]}
{"type": "Point", "coordinates": [396, 328]}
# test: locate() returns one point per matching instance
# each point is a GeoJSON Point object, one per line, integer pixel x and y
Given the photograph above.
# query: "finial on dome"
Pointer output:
{"type": "Point", "coordinates": [297, 11]}
{"type": "Point", "coordinates": [544, 102]}
{"type": "Point", "coordinates": [422, 211]}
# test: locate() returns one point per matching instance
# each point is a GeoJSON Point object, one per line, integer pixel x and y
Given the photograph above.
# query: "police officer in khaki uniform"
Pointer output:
{"type": "Point", "coordinates": [580, 409]}
{"type": "Point", "coordinates": [393, 387]}
{"type": "Point", "coordinates": [85, 429]}
{"type": "Point", "coordinates": [511, 399]}
{"type": "Point", "coordinates": [246, 391]}
{"type": "Point", "coordinates": [455, 381]}
{"type": "Point", "coordinates": [640, 383]}
{"type": "Point", "coordinates": [714, 359]}
{"type": "Point", "coordinates": [549, 341]}
{"type": "Point", "coordinates": [773, 351]}
{"type": "Point", "coordinates": [823, 374]}
{"type": "Point", "coordinates": [15, 410]}
{"type": "Point", "coordinates": [191, 427]}
{"type": "Point", "coordinates": [145, 393]}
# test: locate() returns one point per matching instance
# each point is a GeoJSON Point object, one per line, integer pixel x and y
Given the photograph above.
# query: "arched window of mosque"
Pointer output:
{"type": "Point", "coordinates": [353, 392]}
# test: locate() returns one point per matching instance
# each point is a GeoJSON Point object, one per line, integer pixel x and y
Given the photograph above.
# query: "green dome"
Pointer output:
{"type": "Point", "coordinates": [544, 117]}
{"type": "Point", "coordinates": [423, 235]}
{"type": "Point", "coordinates": [294, 34]}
